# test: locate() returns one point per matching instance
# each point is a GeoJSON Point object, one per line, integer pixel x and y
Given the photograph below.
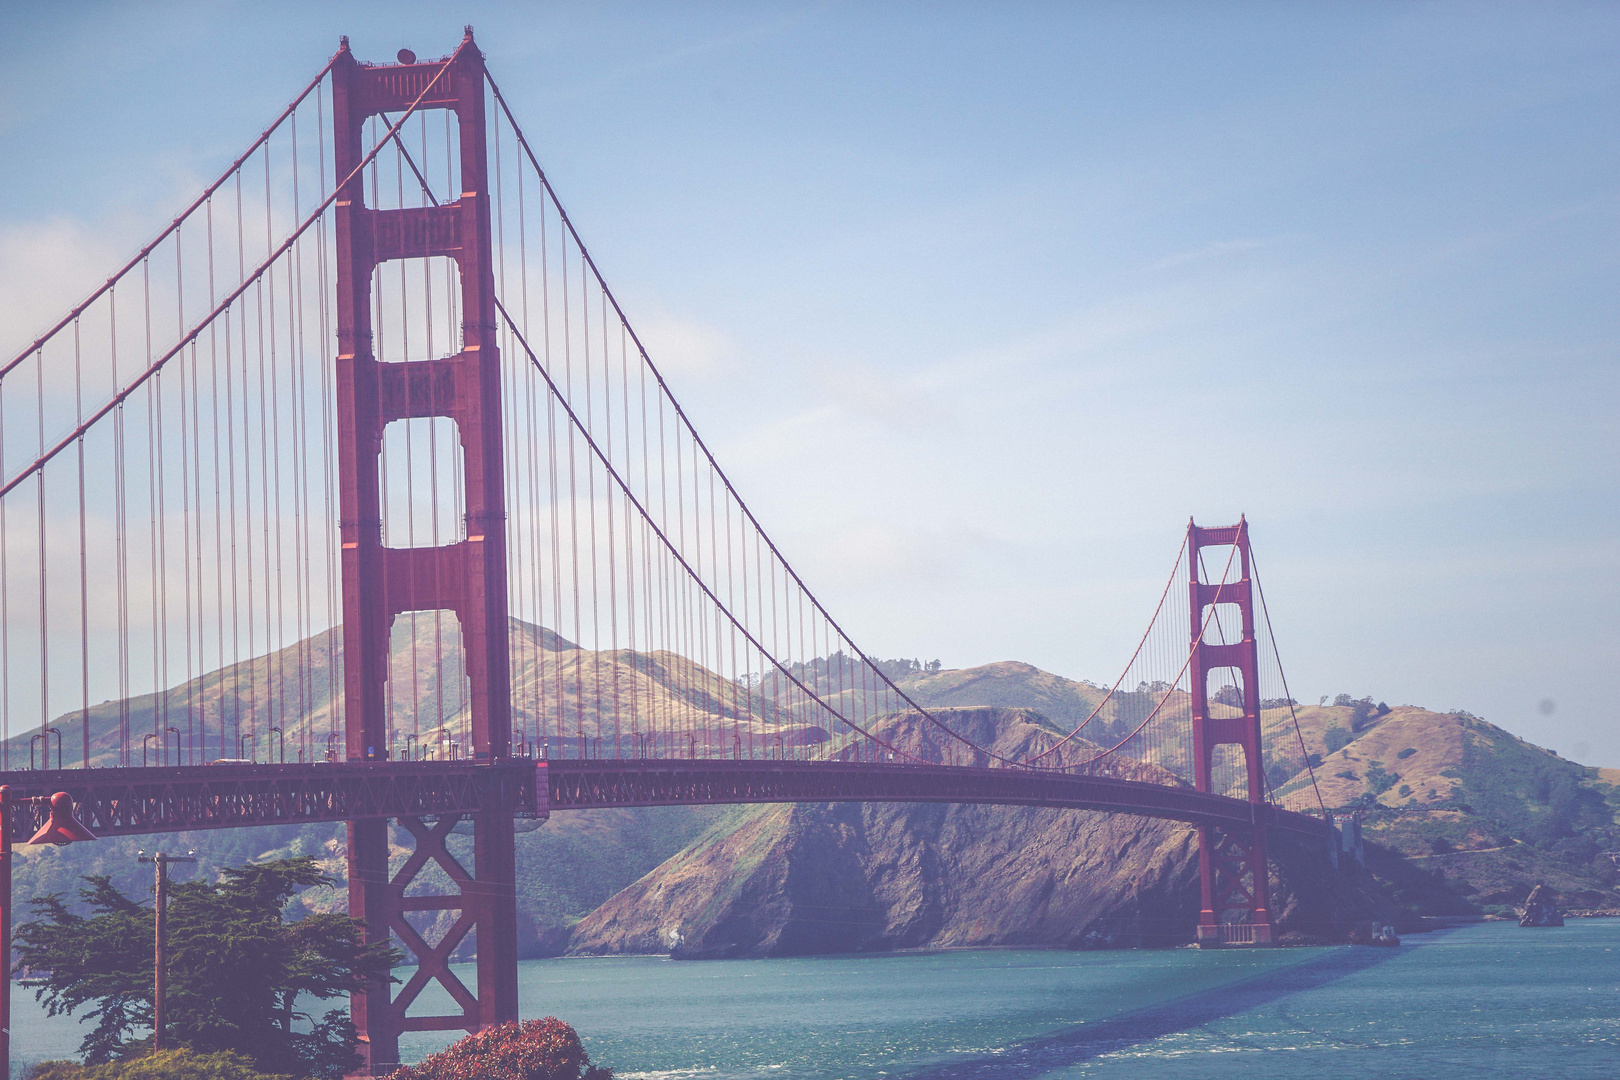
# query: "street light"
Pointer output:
{"type": "Point", "coordinates": [60, 828]}
{"type": "Point", "coordinates": [160, 871]}
{"type": "Point", "coordinates": [45, 737]}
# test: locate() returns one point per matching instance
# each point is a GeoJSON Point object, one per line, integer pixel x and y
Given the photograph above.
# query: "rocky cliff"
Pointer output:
{"type": "Point", "coordinates": [790, 880]}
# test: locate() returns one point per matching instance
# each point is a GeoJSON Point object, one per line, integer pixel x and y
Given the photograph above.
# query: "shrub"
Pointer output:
{"type": "Point", "coordinates": [169, 1065]}
{"type": "Point", "coordinates": [1336, 738]}
{"type": "Point", "coordinates": [1279, 773]}
{"type": "Point", "coordinates": [1378, 779]}
{"type": "Point", "coordinates": [532, 1050]}
{"type": "Point", "coordinates": [1404, 754]}
{"type": "Point", "coordinates": [1314, 760]}
{"type": "Point", "coordinates": [1361, 714]}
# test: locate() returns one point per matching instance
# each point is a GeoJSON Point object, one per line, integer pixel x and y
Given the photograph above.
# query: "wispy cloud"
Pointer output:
{"type": "Point", "coordinates": [1216, 250]}
{"type": "Point", "coordinates": [46, 267]}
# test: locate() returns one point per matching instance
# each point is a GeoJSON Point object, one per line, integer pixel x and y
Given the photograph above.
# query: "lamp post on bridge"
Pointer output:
{"type": "Point", "coordinates": [61, 828]}
{"type": "Point", "coordinates": [160, 872]}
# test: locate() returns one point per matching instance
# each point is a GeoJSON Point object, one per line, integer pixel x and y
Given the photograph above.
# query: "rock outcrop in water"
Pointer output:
{"type": "Point", "coordinates": [1541, 908]}
{"type": "Point", "coordinates": [843, 877]}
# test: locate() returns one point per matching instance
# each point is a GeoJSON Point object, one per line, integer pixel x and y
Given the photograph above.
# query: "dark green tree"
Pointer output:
{"type": "Point", "coordinates": [1380, 779]}
{"type": "Point", "coordinates": [236, 968]}
{"type": "Point", "coordinates": [1362, 713]}
{"type": "Point", "coordinates": [1336, 738]}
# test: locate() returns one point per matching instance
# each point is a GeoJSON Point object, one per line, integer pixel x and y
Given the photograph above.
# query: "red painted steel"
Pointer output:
{"type": "Point", "coordinates": [133, 802]}
{"type": "Point", "coordinates": [1233, 882]}
{"type": "Point", "coordinates": [575, 784]}
{"type": "Point", "coordinates": [468, 577]}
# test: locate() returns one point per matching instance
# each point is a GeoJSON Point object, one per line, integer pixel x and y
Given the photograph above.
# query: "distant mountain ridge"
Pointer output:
{"type": "Point", "coordinates": [1467, 821]}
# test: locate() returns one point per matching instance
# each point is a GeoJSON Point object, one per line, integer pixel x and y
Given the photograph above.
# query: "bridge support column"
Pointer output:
{"type": "Point", "coordinates": [1234, 887]}
{"type": "Point", "coordinates": [434, 925]}
{"type": "Point", "coordinates": [467, 577]}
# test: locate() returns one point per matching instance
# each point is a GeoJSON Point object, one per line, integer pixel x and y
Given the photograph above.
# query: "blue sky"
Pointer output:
{"type": "Point", "coordinates": [978, 303]}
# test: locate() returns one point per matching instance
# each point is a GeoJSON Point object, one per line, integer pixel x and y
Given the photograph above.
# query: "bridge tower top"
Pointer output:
{"type": "Point", "coordinates": [468, 576]}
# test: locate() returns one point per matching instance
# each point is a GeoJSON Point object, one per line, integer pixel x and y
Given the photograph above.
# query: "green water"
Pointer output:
{"type": "Point", "coordinates": [1480, 1001]}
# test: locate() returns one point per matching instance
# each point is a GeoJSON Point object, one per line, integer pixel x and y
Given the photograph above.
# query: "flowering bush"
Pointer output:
{"type": "Point", "coordinates": [532, 1050]}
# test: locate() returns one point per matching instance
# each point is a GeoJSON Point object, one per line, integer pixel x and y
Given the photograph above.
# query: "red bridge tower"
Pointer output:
{"type": "Point", "coordinates": [1235, 892]}
{"type": "Point", "coordinates": [467, 577]}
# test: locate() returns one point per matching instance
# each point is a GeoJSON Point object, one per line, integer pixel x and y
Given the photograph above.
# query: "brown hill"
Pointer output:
{"type": "Point", "coordinates": [1007, 683]}
{"type": "Point", "coordinates": [1414, 750]}
{"type": "Point", "coordinates": [1467, 820]}
{"type": "Point", "coordinates": [1469, 805]}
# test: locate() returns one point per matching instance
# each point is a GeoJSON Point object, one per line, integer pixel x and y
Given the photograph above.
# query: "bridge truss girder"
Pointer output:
{"type": "Point", "coordinates": [136, 802]}
{"type": "Point", "coordinates": [183, 798]}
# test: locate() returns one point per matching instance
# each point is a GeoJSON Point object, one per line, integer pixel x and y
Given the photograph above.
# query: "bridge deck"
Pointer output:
{"type": "Point", "coordinates": [136, 801]}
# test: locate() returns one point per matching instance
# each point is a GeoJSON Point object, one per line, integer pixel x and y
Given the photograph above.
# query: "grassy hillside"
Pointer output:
{"type": "Point", "coordinates": [1463, 815]}
{"type": "Point", "coordinates": [565, 869]}
{"type": "Point", "coordinates": [1008, 684]}
{"type": "Point", "coordinates": [1469, 804]}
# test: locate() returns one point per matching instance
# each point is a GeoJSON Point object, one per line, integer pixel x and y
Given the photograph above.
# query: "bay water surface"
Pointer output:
{"type": "Point", "coordinates": [1484, 1000]}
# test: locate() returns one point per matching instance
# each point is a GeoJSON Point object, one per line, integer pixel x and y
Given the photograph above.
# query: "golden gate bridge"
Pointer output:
{"type": "Point", "coordinates": [355, 497]}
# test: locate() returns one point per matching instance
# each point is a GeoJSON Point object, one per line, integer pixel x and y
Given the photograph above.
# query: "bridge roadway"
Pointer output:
{"type": "Point", "coordinates": [136, 801]}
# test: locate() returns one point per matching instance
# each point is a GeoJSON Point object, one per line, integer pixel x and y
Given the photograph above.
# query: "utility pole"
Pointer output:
{"type": "Point", "coordinates": [160, 872]}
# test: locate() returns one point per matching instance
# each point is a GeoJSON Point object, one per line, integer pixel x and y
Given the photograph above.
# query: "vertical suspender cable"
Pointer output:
{"type": "Point", "coordinates": [153, 388]}
{"type": "Point", "coordinates": [84, 559]}
{"type": "Point", "coordinates": [334, 677]}
{"type": "Point", "coordinates": [612, 544]}
{"type": "Point", "coordinates": [121, 540]}
{"type": "Point", "coordinates": [590, 501]}
{"type": "Point", "coordinates": [250, 585]}
{"type": "Point", "coordinates": [299, 418]}
{"type": "Point", "coordinates": [188, 386]}
{"type": "Point", "coordinates": [270, 442]}
{"type": "Point", "coordinates": [5, 600]}
{"type": "Point", "coordinates": [44, 640]}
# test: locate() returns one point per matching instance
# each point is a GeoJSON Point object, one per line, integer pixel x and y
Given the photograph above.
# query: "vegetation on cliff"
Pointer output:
{"type": "Point", "coordinates": [168, 1065]}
